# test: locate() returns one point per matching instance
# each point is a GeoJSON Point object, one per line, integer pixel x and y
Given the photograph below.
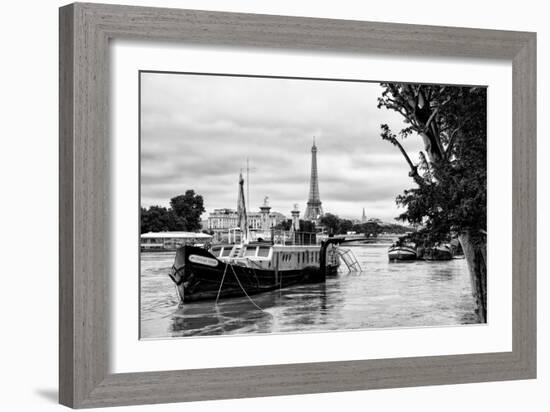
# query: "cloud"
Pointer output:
{"type": "Point", "coordinates": [197, 132]}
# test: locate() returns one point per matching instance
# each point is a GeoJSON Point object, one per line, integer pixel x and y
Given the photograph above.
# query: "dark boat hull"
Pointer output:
{"type": "Point", "coordinates": [199, 275]}
{"type": "Point", "coordinates": [436, 253]}
{"type": "Point", "coordinates": [401, 253]}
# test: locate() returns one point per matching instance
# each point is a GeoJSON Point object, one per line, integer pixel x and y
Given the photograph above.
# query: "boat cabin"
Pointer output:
{"type": "Point", "coordinates": [268, 256]}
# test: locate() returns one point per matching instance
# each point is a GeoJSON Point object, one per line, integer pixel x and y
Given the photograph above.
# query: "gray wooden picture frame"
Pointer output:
{"type": "Point", "coordinates": [85, 31]}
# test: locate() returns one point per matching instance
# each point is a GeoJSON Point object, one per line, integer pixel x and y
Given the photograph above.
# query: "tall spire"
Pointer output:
{"type": "Point", "coordinates": [314, 209]}
{"type": "Point", "coordinates": [364, 217]}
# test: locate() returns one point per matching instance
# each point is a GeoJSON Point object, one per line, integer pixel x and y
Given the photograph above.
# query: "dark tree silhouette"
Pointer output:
{"type": "Point", "coordinates": [339, 226]}
{"type": "Point", "coordinates": [188, 209]}
{"type": "Point", "coordinates": [331, 223]}
{"type": "Point", "coordinates": [451, 177]}
{"type": "Point", "coordinates": [184, 215]}
{"type": "Point", "coordinates": [284, 225]}
{"type": "Point", "coordinates": [157, 219]}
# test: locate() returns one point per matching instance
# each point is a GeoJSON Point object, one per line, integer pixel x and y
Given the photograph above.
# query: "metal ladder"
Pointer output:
{"type": "Point", "coordinates": [349, 259]}
{"type": "Point", "coordinates": [236, 251]}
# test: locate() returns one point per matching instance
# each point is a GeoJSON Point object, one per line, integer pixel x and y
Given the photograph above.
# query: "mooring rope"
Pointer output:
{"type": "Point", "coordinates": [254, 270]}
{"type": "Point", "coordinates": [244, 291]}
{"type": "Point", "coordinates": [221, 283]}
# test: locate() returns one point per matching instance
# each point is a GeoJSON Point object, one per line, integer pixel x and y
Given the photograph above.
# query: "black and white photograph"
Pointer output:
{"type": "Point", "coordinates": [298, 205]}
{"type": "Point", "coordinates": [262, 206]}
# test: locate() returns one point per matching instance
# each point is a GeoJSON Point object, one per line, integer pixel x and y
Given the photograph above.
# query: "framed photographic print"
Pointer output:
{"type": "Point", "coordinates": [256, 193]}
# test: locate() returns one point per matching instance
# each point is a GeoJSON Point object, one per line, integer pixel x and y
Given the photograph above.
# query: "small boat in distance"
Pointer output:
{"type": "Point", "coordinates": [438, 252]}
{"type": "Point", "coordinates": [402, 252]}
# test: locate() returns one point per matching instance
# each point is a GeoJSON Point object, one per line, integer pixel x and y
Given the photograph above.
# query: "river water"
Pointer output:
{"type": "Point", "coordinates": [383, 294]}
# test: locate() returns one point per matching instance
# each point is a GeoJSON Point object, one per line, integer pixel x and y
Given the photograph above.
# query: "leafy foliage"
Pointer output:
{"type": "Point", "coordinates": [156, 219]}
{"type": "Point", "coordinates": [183, 215]}
{"type": "Point", "coordinates": [338, 226]}
{"type": "Point", "coordinates": [284, 225]}
{"type": "Point", "coordinates": [188, 209]}
{"type": "Point", "coordinates": [331, 223]}
{"type": "Point", "coordinates": [307, 226]}
{"type": "Point", "coordinates": [451, 176]}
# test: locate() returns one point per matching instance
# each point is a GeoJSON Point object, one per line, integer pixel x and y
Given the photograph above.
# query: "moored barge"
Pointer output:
{"type": "Point", "coordinates": [438, 252]}
{"type": "Point", "coordinates": [402, 252]}
{"type": "Point", "coordinates": [247, 267]}
{"type": "Point", "coordinates": [238, 270]}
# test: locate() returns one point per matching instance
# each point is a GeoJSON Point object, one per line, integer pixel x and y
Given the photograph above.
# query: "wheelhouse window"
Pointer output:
{"type": "Point", "coordinates": [250, 252]}
{"type": "Point", "coordinates": [226, 251]}
{"type": "Point", "coordinates": [263, 252]}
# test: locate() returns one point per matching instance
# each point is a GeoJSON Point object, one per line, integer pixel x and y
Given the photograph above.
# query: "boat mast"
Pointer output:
{"type": "Point", "coordinates": [242, 221]}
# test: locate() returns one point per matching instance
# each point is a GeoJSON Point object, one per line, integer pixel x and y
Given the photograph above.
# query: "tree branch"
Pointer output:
{"type": "Point", "coordinates": [430, 119]}
{"type": "Point", "coordinates": [453, 135]}
{"type": "Point", "coordinates": [452, 142]}
{"type": "Point", "coordinates": [414, 169]}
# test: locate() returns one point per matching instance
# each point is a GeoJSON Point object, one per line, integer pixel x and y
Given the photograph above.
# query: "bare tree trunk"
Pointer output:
{"type": "Point", "coordinates": [475, 252]}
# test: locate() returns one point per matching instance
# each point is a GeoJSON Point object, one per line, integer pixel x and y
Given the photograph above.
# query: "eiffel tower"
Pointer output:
{"type": "Point", "coordinates": [314, 209]}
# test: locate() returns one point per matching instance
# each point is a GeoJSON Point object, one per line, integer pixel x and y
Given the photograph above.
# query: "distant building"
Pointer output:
{"type": "Point", "coordinates": [364, 217]}
{"type": "Point", "coordinates": [171, 240]}
{"type": "Point", "coordinates": [224, 219]}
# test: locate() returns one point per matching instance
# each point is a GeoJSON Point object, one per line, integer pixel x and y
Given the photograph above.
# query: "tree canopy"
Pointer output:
{"type": "Point", "coordinates": [451, 176]}
{"type": "Point", "coordinates": [183, 215]}
{"type": "Point", "coordinates": [284, 225]}
{"type": "Point", "coordinates": [372, 228]}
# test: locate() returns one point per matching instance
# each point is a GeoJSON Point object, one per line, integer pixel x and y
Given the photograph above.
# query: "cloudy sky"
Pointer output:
{"type": "Point", "coordinates": [198, 130]}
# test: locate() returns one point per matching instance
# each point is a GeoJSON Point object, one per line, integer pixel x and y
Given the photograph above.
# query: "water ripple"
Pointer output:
{"type": "Point", "coordinates": [382, 295]}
